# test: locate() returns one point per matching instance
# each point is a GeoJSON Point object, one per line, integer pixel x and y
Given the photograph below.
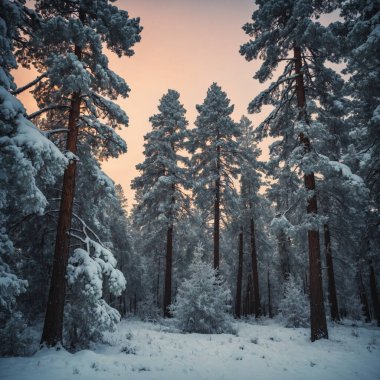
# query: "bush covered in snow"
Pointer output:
{"type": "Point", "coordinates": [202, 300]}
{"type": "Point", "coordinates": [87, 314]}
{"type": "Point", "coordinates": [14, 337]}
{"type": "Point", "coordinates": [294, 306]}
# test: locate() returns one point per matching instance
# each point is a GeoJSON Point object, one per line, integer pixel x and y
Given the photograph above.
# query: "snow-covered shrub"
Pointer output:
{"type": "Point", "coordinates": [295, 306]}
{"type": "Point", "coordinates": [14, 337]}
{"type": "Point", "coordinates": [87, 315]}
{"type": "Point", "coordinates": [10, 285]}
{"type": "Point", "coordinates": [202, 300]}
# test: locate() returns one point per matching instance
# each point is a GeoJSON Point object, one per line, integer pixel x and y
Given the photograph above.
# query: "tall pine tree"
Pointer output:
{"type": "Point", "coordinates": [215, 159]}
{"type": "Point", "coordinates": [164, 176]}
{"type": "Point", "coordinates": [67, 50]}
{"type": "Point", "coordinates": [289, 33]}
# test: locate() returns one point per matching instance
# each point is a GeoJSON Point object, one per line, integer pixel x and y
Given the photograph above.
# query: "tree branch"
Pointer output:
{"type": "Point", "coordinates": [27, 86]}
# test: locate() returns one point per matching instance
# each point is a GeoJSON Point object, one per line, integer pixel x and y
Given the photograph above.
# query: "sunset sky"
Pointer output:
{"type": "Point", "coordinates": [186, 45]}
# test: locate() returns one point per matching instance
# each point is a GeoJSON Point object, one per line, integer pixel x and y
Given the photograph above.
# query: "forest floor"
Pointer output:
{"type": "Point", "coordinates": [260, 350]}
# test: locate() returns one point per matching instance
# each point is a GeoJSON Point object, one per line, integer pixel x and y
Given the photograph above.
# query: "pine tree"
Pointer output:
{"type": "Point", "coordinates": [27, 159]}
{"type": "Point", "coordinates": [239, 277]}
{"type": "Point", "coordinates": [202, 301]}
{"type": "Point", "coordinates": [67, 50]}
{"type": "Point", "coordinates": [294, 306]}
{"type": "Point", "coordinates": [279, 30]}
{"type": "Point", "coordinates": [214, 161]}
{"type": "Point", "coordinates": [164, 176]}
{"type": "Point", "coordinates": [359, 36]}
{"type": "Point", "coordinates": [250, 182]}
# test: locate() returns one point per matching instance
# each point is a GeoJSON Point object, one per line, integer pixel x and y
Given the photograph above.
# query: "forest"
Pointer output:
{"type": "Point", "coordinates": [219, 244]}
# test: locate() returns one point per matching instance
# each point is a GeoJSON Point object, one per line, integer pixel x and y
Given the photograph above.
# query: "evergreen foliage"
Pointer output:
{"type": "Point", "coordinates": [202, 301]}
{"type": "Point", "coordinates": [294, 307]}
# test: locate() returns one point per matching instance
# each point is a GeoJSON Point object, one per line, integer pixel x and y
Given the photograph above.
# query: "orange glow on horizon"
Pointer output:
{"type": "Point", "coordinates": [185, 45]}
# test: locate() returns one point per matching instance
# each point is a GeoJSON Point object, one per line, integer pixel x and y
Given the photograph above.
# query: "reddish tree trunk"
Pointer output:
{"type": "Point", "coordinates": [333, 300]}
{"type": "Point", "coordinates": [255, 273]}
{"type": "Point", "coordinates": [217, 213]}
{"type": "Point", "coordinates": [374, 294]}
{"type": "Point", "coordinates": [168, 271]}
{"type": "Point", "coordinates": [317, 308]}
{"type": "Point", "coordinates": [52, 331]}
{"type": "Point", "coordinates": [239, 277]}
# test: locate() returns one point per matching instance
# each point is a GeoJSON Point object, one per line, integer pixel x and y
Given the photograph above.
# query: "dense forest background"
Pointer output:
{"type": "Point", "coordinates": [213, 231]}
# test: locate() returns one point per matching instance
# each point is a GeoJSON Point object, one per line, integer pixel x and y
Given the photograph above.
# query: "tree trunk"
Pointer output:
{"type": "Point", "coordinates": [158, 283]}
{"type": "Point", "coordinates": [239, 277]}
{"type": "Point", "coordinates": [363, 298]}
{"type": "Point", "coordinates": [255, 274]}
{"type": "Point", "coordinates": [374, 294]}
{"type": "Point", "coordinates": [270, 312]}
{"type": "Point", "coordinates": [251, 300]}
{"type": "Point", "coordinates": [168, 271]}
{"type": "Point", "coordinates": [53, 325]}
{"type": "Point", "coordinates": [317, 308]}
{"type": "Point", "coordinates": [217, 213]}
{"type": "Point", "coordinates": [283, 243]}
{"type": "Point", "coordinates": [333, 300]}
{"type": "Point", "coordinates": [248, 297]}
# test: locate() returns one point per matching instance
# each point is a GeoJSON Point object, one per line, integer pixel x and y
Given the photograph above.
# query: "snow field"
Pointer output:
{"type": "Point", "coordinates": [141, 350]}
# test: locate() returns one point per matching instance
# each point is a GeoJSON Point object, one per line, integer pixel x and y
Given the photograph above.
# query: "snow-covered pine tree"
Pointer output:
{"type": "Point", "coordinates": [294, 306]}
{"type": "Point", "coordinates": [27, 158]}
{"type": "Point", "coordinates": [97, 221]}
{"type": "Point", "coordinates": [250, 182]}
{"type": "Point", "coordinates": [280, 30]}
{"type": "Point", "coordinates": [340, 192]}
{"type": "Point", "coordinates": [359, 33]}
{"type": "Point", "coordinates": [67, 50]}
{"type": "Point", "coordinates": [202, 300]}
{"type": "Point", "coordinates": [215, 159]}
{"type": "Point", "coordinates": [164, 176]}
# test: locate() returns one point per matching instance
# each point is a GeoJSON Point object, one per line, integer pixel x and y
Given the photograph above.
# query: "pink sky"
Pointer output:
{"type": "Point", "coordinates": [186, 45]}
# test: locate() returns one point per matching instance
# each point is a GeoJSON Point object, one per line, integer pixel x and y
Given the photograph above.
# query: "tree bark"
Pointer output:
{"type": "Point", "coordinates": [255, 273]}
{"type": "Point", "coordinates": [374, 294]}
{"type": "Point", "coordinates": [52, 331]}
{"type": "Point", "coordinates": [239, 277]}
{"type": "Point", "coordinates": [158, 283]}
{"type": "Point", "coordinates": [333, 300]}
{"type": "Point", "coordinates": [363, 298]}
{"type": "Point", "coordinates": [217, 212]}
{"type": "Point", "coordinates": [168, 271]}
{"type": "Point", "coordinates": [283, 243]}
{"type": "Point", "coordinates": [270, 312]}
{"type": "Point", "coordinates": [317, 308]}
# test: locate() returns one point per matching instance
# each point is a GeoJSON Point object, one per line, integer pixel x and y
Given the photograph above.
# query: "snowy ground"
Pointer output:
{"type": "Point", "coordinates": [262, 351]}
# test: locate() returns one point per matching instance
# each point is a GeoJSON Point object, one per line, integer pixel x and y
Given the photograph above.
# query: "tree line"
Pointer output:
{"type": "Point", "coordinates": [287, 236]}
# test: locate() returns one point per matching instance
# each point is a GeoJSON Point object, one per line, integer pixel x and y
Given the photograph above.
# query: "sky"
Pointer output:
{"type": "Point", "coordinates": [186, 45]}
